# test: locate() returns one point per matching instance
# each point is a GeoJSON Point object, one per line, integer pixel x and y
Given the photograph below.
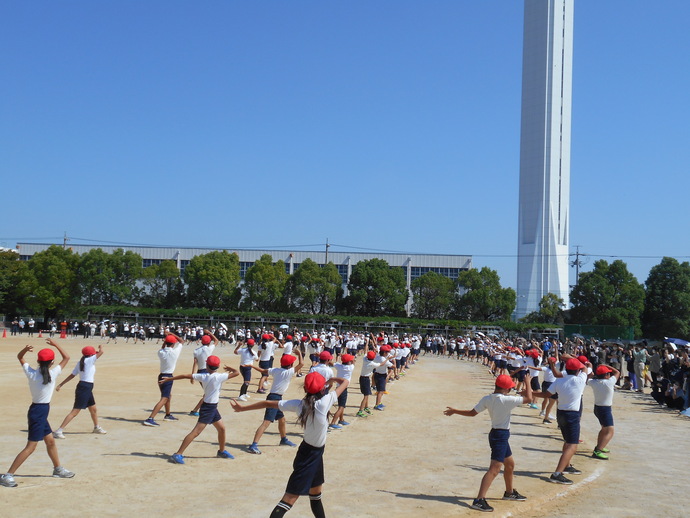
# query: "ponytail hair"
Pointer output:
{"type": "Point", "coordinates": [44, 369]}
{"type": "Point", "coordinates": [81, 363]}
{"type": "Point", "coordinates": [309, 408]}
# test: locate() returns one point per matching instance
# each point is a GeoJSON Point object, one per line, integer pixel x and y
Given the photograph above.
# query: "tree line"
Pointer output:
{"type": "Point", "coordinates": [58, 281]}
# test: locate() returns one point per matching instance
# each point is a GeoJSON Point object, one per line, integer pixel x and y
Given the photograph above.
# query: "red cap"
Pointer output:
{"type": "Point", "coordinates": [46, 355]}
{"type": "Point", "coordinates": [305, 338]}
{"type": "Point", "coordinates": [532, 352]}
{"type": "Point", "coordinates": [325, 355]}
{"type": "Point", "coordinates": [505, 382]}
{"type": "Point", "coordinates": [583, 359]}
{"type": "Point", "coordinates": [573, 364]}
{"type": "Point", "coordinates": [213, 362]}
{"type": "Point", "coordinates": [386, 348]}
{"type": "Point", "coordinates": [170, 339]}
{"type": "Point", "coordinates": [286, 360]}
{"type": "Point", "coordinates": [371, 355]}
{"type": "Point", "coordinates": [251, 341]}
{"type": "Point", "coordinates": [314, 383]}
{"type": "Point", "coordinates": [552, 359]}
{"type": "Point", "coordinates": [205, 340]}
{"type": "Point", "coordinates": [379, 339]}
{"type": "Point", "coordinates": [289, 337]}
{"type": "Point", "coordinates": [88, 351]}
{"type": "Point", "coordinates": [347, 358]}
{"type": "Point", "coordinates": [265, 336]}
{"type": "Point", "coordinates": [316, 339]}
{"type": "Point", "coordinates": [603, 369]}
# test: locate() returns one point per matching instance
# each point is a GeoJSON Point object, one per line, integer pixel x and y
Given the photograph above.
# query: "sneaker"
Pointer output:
{"type": "Point", "coordinates": [385, 392]}
{"type": "Point", "coordinates": [532, 405]}
{"type": "Point", "coordinates": [598, 454]}
{"type": "Point", "coordinates": [552, 417]}
{"type": "Point", "coordinates": [560, 479]}
{"type": "Point", "coordinates": [225, 454]}
{"type": "Point", "coordinates": [343, 423]}
{"type": "Point", "coordinates": [547, 421]}
{"type": "Point", "coordinates": [57, 434]}
{"type": "Point", "coordinates": [170, 417]}
{"type": "Point", "coordinates": [368, 410]}
{"type": "Point", "coordinates": [193, 413]}
{"type": "Point", "coordinates": [542, 414]}
{"type": "Point", "coordinates": [604, 450]}
{"type": "Point", "coordinates": [176, 458]}
{"type": "Point", "coordinates": [379, 407]}
{"type": "Point", "coordinates": [243, 397]}
{"type": "Point", "coordinates": [254, 449]}
{"type": "Point", "coordinates": [261, 391]}
{"type": "Point", "coordinates": [335, 427]}
{"type": "Point", "coordinates": [61, 472]}
{"type": "Point", "coordinates": [572, 470]}
{"type": "Point", "coordinates": [150, 422]}
{"type": "Point", "coordinates": [7, 480]}
{"type": "Point", "coordinates": [99, 430]}
{"type": "Point", "coordinates": [287, 442]}
{"type": "Point", "coordinates": [517, 497]}
{"type": "Point", "coordinates": [480, 505]}
{"type": "Point", "coordinates": [361, 414]}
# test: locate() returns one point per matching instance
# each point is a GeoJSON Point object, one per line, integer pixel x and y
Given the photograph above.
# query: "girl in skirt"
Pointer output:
{"type": "Point", "coordinates": [313, 412]}
{"type": "Point", "coordinates": [41, 385]}
{"type": "Point", "coordinates": [83, 395]}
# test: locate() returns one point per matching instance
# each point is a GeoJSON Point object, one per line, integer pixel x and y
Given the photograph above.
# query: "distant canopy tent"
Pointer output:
{"type": "Point", "coordinates": [676, 342]}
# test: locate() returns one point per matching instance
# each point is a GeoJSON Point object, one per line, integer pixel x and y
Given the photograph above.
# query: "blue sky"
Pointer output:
{"type": "Point", "coordinates": [386, 125]}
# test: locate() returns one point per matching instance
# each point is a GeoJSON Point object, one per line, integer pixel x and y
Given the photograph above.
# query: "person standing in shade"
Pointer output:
{"type": "Point", "coordinates": [603, 383]}
{"type": "Point", "coordinates": [500, 404]}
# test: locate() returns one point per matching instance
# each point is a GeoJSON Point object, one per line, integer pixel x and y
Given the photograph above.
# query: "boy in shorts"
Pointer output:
{"type": "Point", "coordinates": [500, 405]}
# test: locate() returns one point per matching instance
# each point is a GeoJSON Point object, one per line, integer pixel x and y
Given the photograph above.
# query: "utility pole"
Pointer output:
{"type": "Point", "coordinates": [64, 242]}
{"type": "Point", "coordinates": [577, 263]}
{"type": "Point", "coordinates": [327, 247]}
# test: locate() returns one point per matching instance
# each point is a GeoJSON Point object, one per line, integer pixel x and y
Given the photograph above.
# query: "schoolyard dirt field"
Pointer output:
{"type": "Point", "coordinates": [408, 461]}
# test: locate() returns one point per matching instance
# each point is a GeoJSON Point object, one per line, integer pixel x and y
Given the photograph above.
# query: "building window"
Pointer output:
{"type": "Point", "coordinates": [244, 266]}
{"type": "Point", "coordinates": [149, 262]}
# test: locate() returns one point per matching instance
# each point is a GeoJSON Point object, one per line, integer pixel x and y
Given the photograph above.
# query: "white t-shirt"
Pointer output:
{"type": "Point", "coordinates": [603, 391]}
{"type": "Point", "coordinates": [499, 407]}
{"type": "Point", "coordinates": [368, 367]}
{"type": "Point", "coordinates": [247, 356]}
{"type": "Point", "coordinates": [569, 389]}
{"type": "Point", "coordinates": [168, 357]}
{"type": "Point", "coordinates": [383, 364]}
{"type": "Point", "coordinates": [323, 369]}
{"type": "Point", "coordinates": [41, 393]}
{"type": "Point", "coordinates": [267, 353]}
{"type": "Point", "coordinates": [344, 371]}
{"type": "Point", "coordinates": [316, 428]}
{"type": "Point", "coordinates": [211, 382]}
{"type": "Point", "coordinates": [287, 348]}
{"type": "Point", "coordinates": [202, 353]}
{"type": "Point", "coordinates": [89, 371]}
{"type": "Point", "coordinates": [281, 379]}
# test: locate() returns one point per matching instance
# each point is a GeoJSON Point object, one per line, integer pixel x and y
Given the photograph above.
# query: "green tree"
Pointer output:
{"type": "Point", "coordinates": [667, 301]}
{"type": "Point", "coordinates": [481, 297]}
{"type": "Point", "coordinates": [551, 311]}
{"type": "Point", "coordinates": [212, 281]}
{"type": "Point", "coordinates": [608, 295]}
{"type": "Point", "coordinates": [10, 268]}
{"type": "Point", "coordinates": [264, 285]}
{"type": "Point", "coordinates": [127, 269]}
{"type": "Point", "coordinates": [312, 289]}
{"type": "Point", "coordinates": [376, 289]}
{"type": "Point", "coordinates": [433, 295]}
{"type": "Point", "coordinates": [48, 285]}
{"type": "Point", "coordinates": [95, 276]}
{"type": "Point", "coordinates": [163, 286]}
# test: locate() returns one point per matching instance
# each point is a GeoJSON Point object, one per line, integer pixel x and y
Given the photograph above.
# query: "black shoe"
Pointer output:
{"type": "Point", "coordinates": [560, 479]}
{"type": "Point", "coordinates": [571, 470]}
{"type": "Point", "coordinates": [514, 496]}
{"type": "Point", "coordinates": [480, 505]}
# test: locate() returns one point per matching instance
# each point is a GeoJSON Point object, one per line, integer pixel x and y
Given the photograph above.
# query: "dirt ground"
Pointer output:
{"type": "Point", "coordinates": [408, 461]}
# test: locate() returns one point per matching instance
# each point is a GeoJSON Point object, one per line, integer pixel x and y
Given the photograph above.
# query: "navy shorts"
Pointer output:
{"type": "Point", "coordinates": [38, 421]}
{"type": "Point", "coordinates": [365, 385]}
{"type": "Point", "coordinates": [246, 372]}
{"type": "Point", "coordinates": [534, 382]}
{"type": "Point", "coordinates": [83, 395]}
{"type": "Point", "coordinates": [569, 423]}
{"type": "Point", "coordinates": [271, 414]}
{"type": "Point", "coordinates": [307, 470]}
{"type": "Point", "coordinates": [520, 375]}
{"type": "Point", "coordinates": [342, 399]}
{"type": "Point", "coordinates": [380, 381]}
{"type": "Point", "coordinates": [398, 363]}
{"type": "Point", "coordinates": [208, 413]}
{"type": "Point", "coordinates": [604, 415]}
{"type": "Point", "coordinates": [498, 440]}
{"type": "Point", "coordinates": [165, 388]}
{"type": "Point", "coordinates": [314, 358]}
{"type": "Point", "coordinates": [265, 364]}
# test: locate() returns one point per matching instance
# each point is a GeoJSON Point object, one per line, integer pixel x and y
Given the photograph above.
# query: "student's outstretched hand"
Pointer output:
{"type": "Point", "coordinates": [449, 411]}
{"type": "Point", "coordinates": [236, 406]}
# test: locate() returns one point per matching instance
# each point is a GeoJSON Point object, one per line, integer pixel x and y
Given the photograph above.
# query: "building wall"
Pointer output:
{"type": "Point", "coordinates": [544, 206]}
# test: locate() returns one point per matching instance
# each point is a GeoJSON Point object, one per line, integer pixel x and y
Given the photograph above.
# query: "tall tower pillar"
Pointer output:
{"type": "Point", "coordinates": [544, 207]}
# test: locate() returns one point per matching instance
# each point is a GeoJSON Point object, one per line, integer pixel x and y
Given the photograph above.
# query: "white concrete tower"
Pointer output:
{"type": "Point", "coordinates": [545, 153]}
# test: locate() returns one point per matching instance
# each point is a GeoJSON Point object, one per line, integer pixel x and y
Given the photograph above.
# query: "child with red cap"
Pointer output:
{"type": "Point", "coordinates": [201, 354]}
{"type": "Point", "coordinates": [312, 414]}
{"type": "Point", "coordinates": [168, 355]}
{"type": "Point", "coordinates": [342, 370]}
{"type": "Point", "coordinates": [247, 358]}
{"type": "Point", "coordinates": [83, 394]}
{"type": "Point", "coordinates": [281, 381]}
{"type": "Point", "coordinates": [41, 384]}
{"type": "Point", "coordinates": [211, 381]}
{"type": "Point", "coordinates": [368, 366]}
{"type": "Point", "coordinates": [605, 378]}
{"type": "Point", "coordinates": [500, 405]}
{"type": "Point", "coordinates": [323, 366]}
